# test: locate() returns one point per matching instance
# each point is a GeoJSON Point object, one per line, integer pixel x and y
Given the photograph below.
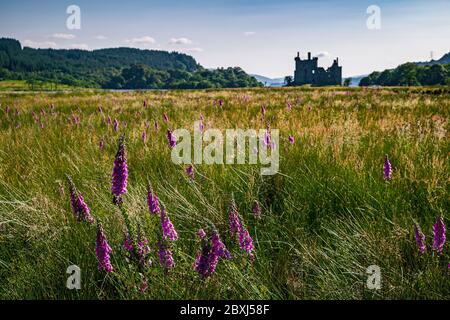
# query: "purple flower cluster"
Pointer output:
{"type": "Point", "coordinates": [201, 233]}
{"type": "Point", "coordinates": [153, 202]}
{"type": "Point", "coordinates": [420, 238]}
{"type": "Point", "coordinates": [172, 139]}
{"type": "Point", "coordinates": [127, 243]}
{"type": "Point", "coordinates": [387, 168]}
{"type": "Point", "coordinates": [245, 241]}
{"type": "Point", "coordinates": [233, 218]}
{"type": "Point", "coordinates": [120, 171]}
{"type": "Point", "coordinates": [165, 256]}
{"type": "Point", "coordinates": [79, 206]}
{"type": "Point", "coordinates": [103, 250]}
{"type": "Point", "coordinates": [190, 172]}
{"type": "Point", "coordinates": [206, 262]}
{"type": "Point", "coordinates": [143, 251]}
{"type": "Point", "coordinates": [236, 227]}
{"type": "Point", "coordinates": [256, 210]}
{"type": "Point", "coordinates": [291, 139]}
{"type": "Point", "coordinates": [168, 229]}
{"type": "Point", "coordinates": [439, 235]}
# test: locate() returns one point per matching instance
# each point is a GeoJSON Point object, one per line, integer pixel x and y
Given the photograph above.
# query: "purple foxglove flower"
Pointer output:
{"type": "Point", "coordinates": [103, 250]}
{"type": "Point", "coordinates": [206, 261]}
{"type": "Point", "coordinates": [245, 241]}
{"type": "Point", "coordinates": [387, 168]}
{"type": "Point", "coordinates": [156, 125]}
{"type": "Point", "coordinates": [100, 110]}
{"type": "Point", "coordinates": [79, 206]}
{"type": "Point", "coordinates": [145, 103]}
{"type": "Point", "coordinates": [256, 210]}
{"type": "Point", "coordinates": [120, 171]}
{"type": "Point", "coordinates": [190, 172]}
{"type": "Point", "coordinates": [101, 145]}
{"type": "Point", "coordinates": [233, 219]}
{"type": "Point", "coordinates": [144, 136]}
{"type": "Point", "coordinates": [439, 235]}
{"type": "Point", "coordinates": [289, 106]}
{"type": "Point", "coordinates": [153, 202]}
{"type": "Point", "coordinates": [108, 121]}
{"type": "Point", "coordinates": [143, 251]}
{"type": "Point", "coordinates": [165, 256]}
{"type": "Point", "coordinates": [202, 261]}
{"type": "Point", "coordinates": [171, 138]}
{"type": "Point", "coordinates": [127, 243]}
{"type": "Point", "coordinates": [116, 125]}
{"type": "Point", "coordinates": [291, 139]}
{"type": "Point", "coordinates": [221, 102]}
{"type": "Point", "coordinates": [201, 233]}
{"type": "Point", "coordinates": [420, 238]}
{"type": "Point", "coordinates": [165, 117]}
{"type": "Point", "coordinates": [201, 126]}
{"type": "Point", "coordinates": [168, 229]}
{"type": "Point", "coordinates": [218, 247]}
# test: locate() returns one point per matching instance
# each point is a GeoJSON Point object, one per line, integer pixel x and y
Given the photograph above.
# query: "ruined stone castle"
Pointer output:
{"type": "Point", "coordinates": [307, 72]}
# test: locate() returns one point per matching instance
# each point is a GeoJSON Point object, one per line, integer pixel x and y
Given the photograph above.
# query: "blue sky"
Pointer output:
{"type": "Point", "coordinates": [260, 36]}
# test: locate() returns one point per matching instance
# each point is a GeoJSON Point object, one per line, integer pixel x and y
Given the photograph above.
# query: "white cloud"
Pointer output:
{"type": "Point", "coordinates": [180, 41]}
{"type": "Point", "coordinates": [42, 45]}
{"type": "Point", "coordinates": [322, 54]}
{"type": "Point", "coordinates": [249, 33]}
{"type": "Point", "coordinates": [100, 37]}
{"type": "Point", "coordinates": [146, 40]}
{"type": "Point", "coordinates": [65, 36]}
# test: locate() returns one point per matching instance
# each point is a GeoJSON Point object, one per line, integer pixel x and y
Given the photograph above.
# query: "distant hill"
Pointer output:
{"type": "Point", "coordinates": [115, 68]}
{"type": "Point", "coordinates": [445, 59]}
{"type": "Point", "coordinates": [269, 82]}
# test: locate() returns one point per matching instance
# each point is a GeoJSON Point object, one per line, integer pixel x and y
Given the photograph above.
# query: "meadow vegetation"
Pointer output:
{"type": "Point", "coordinates": [326, 215]}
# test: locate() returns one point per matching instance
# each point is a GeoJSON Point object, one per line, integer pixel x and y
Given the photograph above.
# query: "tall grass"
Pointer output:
{"type": "Point", "coordinates": [326, 216]}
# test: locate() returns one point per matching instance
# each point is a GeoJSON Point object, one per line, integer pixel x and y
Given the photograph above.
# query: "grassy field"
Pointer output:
{"type": "Point", "coordinates": [326, 216]}
{"type": "Point", "coordinates": [22, 85]}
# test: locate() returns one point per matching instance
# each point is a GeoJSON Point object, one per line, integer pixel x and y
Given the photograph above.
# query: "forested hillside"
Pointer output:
{"type": "Point", "coordinates": [115, 68]}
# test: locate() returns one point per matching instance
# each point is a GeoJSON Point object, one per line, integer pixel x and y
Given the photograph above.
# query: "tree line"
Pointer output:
{"type": "Point", "coordinates": [410, 74]}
